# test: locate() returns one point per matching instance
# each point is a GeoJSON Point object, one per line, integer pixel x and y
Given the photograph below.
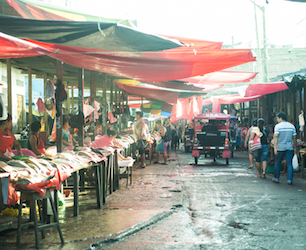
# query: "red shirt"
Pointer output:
{"type": "Point", "coordinates": [6, 141]}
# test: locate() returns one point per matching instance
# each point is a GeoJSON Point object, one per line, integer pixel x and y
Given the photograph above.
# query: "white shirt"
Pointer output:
{"type": "Point", "coordinates": [301, 120]}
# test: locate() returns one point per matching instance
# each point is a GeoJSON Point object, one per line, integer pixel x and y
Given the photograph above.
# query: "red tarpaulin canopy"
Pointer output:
{"type": "Point", "coordinates": [154, 94]}
{"type": "Point", "coordinates": [213, 116]}
{"type": "Point", "coordinates": [147, 66]}
{"type": "Point", "coordinates": [11, 47]}
{"type": "Point", "coordinates": [221, 77]}
{"type": "Point", "coordinates": [264, 88]}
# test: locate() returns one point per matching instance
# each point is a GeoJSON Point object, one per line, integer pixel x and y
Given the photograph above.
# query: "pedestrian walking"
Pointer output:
{"type": "Point", "coordinates": [140, 134]}
{"type": "Point", "coordinates": [284, 136]}
{"type": "Point", "coordinates": [261, 155]}
{"type": "Point", "coordinates": [163, 133]}
{"type": "Point", "coordinates": [246, 143]}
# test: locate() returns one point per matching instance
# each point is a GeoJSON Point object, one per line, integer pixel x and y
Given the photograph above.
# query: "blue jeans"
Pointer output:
{"type": "Point", "coordinates": [262, 154]}
{"type": "Point", "coordinates": [288, 155]}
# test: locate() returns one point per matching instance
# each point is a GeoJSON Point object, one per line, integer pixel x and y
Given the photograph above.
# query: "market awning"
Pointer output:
{"type": "Point", "coordinates": [103, 47]}
{"type": "Point", "coordinates": [220, 77]}
{"type": "Point", "coordinates": [156, 107]}
{"type": "Point", "coordinates": [44, 11]}
{"type": "Point", "coordinates": [93, 37]}
{"type": "Point", "coordinates": [154, 94]}
{"type": "Point", "coordinates": [11, 47]}
{"type": "Point", "coordinates": [168, 85]}
{"type": "Point", "coordinates": [264, 88]}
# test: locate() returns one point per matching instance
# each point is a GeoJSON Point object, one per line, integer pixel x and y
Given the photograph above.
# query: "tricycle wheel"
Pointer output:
{"type": "Point", "coordinates": [196, 160]}
{"type": "Point", "coordinates": [226, 161]}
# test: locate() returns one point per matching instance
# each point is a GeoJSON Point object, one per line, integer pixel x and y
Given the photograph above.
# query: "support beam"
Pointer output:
{"type": "Point", "coordinates": [116, 95]}
{"type": "Point", "coordinates": [104, 105]}
{"type": "Point", "coordinates": [30, 95]}
{"type": "Point", "coordinates": [9, 87]}
{"type": "Point", "coordinates": [250, 112]}
{"type": "Point", "coordinates": [93, 90]}
{"type": "Point", "coordinates": [258, 107]}
{"type": "Point", "coordinates": [293, 95]}
{"type": "Point", "coordinates": [67, 100]}
{"type": "Point", "coordinates": [280, 101]}
{"type": "Point", "coordinates": [81, 103]}
{"type": "Point", "coordinates": [304, 100]}
{"type": "Point", "coordinates": [111, 95]}
{"type": "Point", "coordinates": [300, 101]}
{"type": "Point", "coordinates": [46, 113]}
{"type": "Point", "coordinates": [241, 112]}
{"type": "Point", "coordinates": [72, 101]}
{"type": "Point", "coordinates": [58, 105]}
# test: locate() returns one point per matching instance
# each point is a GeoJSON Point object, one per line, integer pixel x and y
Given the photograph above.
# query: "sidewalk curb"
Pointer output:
{"type": "Point", "coordinates": [131, 230]}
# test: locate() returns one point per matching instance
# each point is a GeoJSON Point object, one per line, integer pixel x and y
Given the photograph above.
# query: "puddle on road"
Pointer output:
{"type": "Point", "coordinates": [214, 174]}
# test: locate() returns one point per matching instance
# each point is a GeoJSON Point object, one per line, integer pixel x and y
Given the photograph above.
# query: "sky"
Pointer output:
{"type": "Point", "coordinates": [227, 21]}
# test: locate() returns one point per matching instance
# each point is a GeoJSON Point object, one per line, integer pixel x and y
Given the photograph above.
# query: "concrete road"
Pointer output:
{"type": "Point", "coordinates": [222, 207]}
{"type": "Point", "coordinates": [182, 206]}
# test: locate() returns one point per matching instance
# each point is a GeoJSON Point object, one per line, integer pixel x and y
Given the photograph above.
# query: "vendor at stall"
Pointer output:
{"type": "Point", "coordinates": [35, 143]}
{"type": "Point", "coordinates": [68, 139]}
{"type": "Point", "coordinates": [7, 139]}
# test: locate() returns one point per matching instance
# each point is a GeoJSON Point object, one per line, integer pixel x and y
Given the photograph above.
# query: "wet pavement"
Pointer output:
{"type": "Point", "coordinates": [182, 206]}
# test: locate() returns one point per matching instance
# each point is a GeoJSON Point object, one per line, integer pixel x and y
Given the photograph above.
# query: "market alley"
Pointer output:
{"type": "Point", "coordinates": [182, 206]}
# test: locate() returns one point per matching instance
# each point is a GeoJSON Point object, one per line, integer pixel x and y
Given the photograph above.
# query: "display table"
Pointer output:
{"type": "Point", "coordinates": [303, 155]}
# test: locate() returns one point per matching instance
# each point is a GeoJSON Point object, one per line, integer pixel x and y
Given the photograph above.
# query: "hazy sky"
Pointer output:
{"type": "Point", "coordinates": [216, 20]}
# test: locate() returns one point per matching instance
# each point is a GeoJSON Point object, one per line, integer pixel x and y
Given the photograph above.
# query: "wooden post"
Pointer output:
{"type": "Point", "coordinates": [30, 95]}
{"type": "Point", "coordinates": [104, 105]}
{"type": "Point", "coordinates": [250, 112]}
{"type": "Point", "coordinates": [68, 99]}
{"type": "Point", "coordinates": [116, 95]}
{"type": "Point", "coordinates": [280, 101]}
{"type": "Point", "coordinates": [46, 113]}
{"type": "Point", "coordinates": [72, 100]}
{"type": "Point", "coordinates": [294, 108]}
{"type": "Point", "coordinates": [9, 87]}
{"type": "Point", "coordinates": [266, 108]}
{"type": "Point", "coordinates": [81, 103]}
{"type": "Point", "coordinates": [241, 113]}
{"type": "Point", "coordinates": [300, 101]}
{"type": "Point", "coordinates": [285, 102]}
{"type": "Point", "coordinates": [304, 108]}
{"type": "Point", "coordinates": [93, 89]}
{"type": "Point", "coordinates": [59, 113]}
{"type": "Point", "coordinates": [111, 95]}
{"type": "Point", "coordinates": [258, 107]}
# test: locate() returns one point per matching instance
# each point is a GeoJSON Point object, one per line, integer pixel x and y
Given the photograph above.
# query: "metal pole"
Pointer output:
{"type": "Point", "coordinates": [104, 106]}
{"type": "Point", "coordinates": [30, 95]}
{"type": "Point", "coordinates": [264, 54]}
{"type": "Point", "coordinates": [46, 113]}
{"type": "Point", "coordinates": [59, 113]}
{"type": "Point", "coordinates": [81, 103]}
{"type": "Point", "coordinates": [93, 89]}
{"type": "Point", "coordinates": [9, 87]}
{"type": "Point", "coordinates": [72, 100]}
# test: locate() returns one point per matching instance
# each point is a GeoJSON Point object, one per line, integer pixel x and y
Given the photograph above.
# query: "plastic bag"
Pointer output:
{"type": "Point", "coordinates": [159, 146]}
{"type": "Point", "coordinates": [12, 195]}
{"type": "Point", "coordinates": [295, 163]}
